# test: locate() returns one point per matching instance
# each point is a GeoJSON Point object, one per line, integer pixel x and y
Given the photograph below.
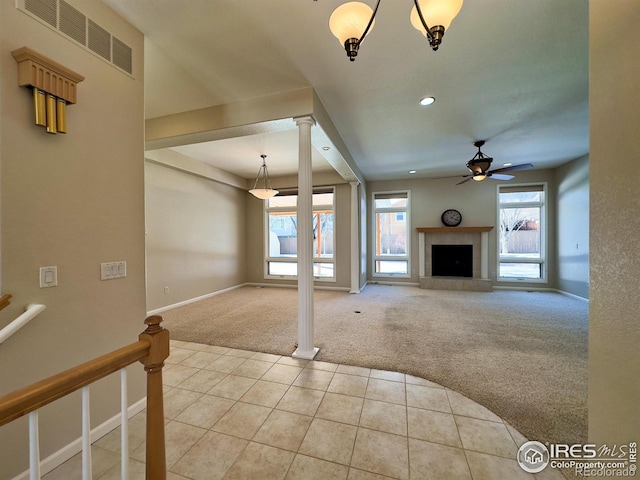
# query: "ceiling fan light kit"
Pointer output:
{"type": "Point", "coordinates": [351, 22]}
{"type": "Point", "coordinates": [479, 167]}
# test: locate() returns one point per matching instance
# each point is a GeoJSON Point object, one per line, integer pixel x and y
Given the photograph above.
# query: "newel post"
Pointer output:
{"type": "Point", "coordinates": [158, 338]}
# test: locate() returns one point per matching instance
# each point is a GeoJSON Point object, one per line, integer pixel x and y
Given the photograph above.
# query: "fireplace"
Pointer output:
{"type": "Point", "coordinates": [454, 258]}
{"type": "Point", "coordinates": [452, 261]}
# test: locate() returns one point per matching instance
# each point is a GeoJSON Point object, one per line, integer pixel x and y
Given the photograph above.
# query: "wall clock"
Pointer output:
{"type": "Point", "coordinates": [451, 218]}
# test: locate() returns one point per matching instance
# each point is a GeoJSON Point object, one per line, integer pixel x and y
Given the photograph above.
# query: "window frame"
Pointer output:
{"type": "Point", "coordinates": [542, 260]}
{"type": "Point", "coordinates": [316, 209]}
{"type": "Point", "coordinates": [403, 258]}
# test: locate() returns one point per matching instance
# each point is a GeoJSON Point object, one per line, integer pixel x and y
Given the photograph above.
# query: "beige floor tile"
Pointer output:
{"type": "Point", "coordinates": [202, 381]}
{"type": "Point", "coordinates": [194, 346]}
{"type": "Point", "coordinates": [177, 400]}
{"type": "Point", "coordinates": [235, 352]}
{"type": "Point", "coordinates": [351, 370]}
{"type": "Point", "coordinates": [267, 394]}
{"type": "Point", "coordinates": [177, 374]}
{"type": "Point", "coordinates": [309, 468]}
{"type": "Point", "coordinates": [316, 365]}
{"type": "Point", "coordinates": [179, 438]}
{"type": "Point", "coordinates": [312, 378]}
{"type": "Point", "coordinates": [282, 373]}
{"type": "Point", "coordinates": [266, 357]}
{"type": "Point", "coordinates": [137, 433]}
{"type": "Point", "coordinates": [348, 384]}
{"type": "Point", "coordinates": [205, 411]}
{"type": "Point", "coordinates": [329, 441]}
{"type": "Point", "coordinates": [386, 391]}
{"type": "Point", "coordinates": [386, 375]}
{"type": "Point", "coordinates": [355, 474]}
{"type": "Point", "coordinates": [461, 405]}
{"type": "Point", "coordinates": [216, 349]}
{"type": "Point", "coordinates": [136, 471]}
{"type": "Point", "coordinates": [242, 420]}
{"type": "Point", "coordinates": [437, 462]}
{"type": "Point", "coordinates": [200, 359]}
{"type": "Point", "coordinates": [383, 416]}
{"type": "Point", "coordinates": [433, 426]}
{"type": "Point", "coordinates": [211, 457]}
{"type": "Point", "coordinates": [428, 397]}
{"type": "Point", "coordinates": [232, 387]}
{"type": "Point", "coordinates": [382, 453]}
{"type": "Point", "coordinates": [486, 437]}
{"type": "Point", "coordinates": [553, 474]}
{"type": "Point", "coordinates": [260, 462]}
{"type": "Point", "coordinates": [284, 430]}
{"type": "Point", "coordinates": [175, 343]}
{"type": "Point", "coordinates": [489, 467]}
{"type": "Point", "coordinates": [226, 364]}
{"type": "Point", "coordinates": [421, 381]}
{"type": "Point", "coordinates": [294, 362]}
{"type": "Point", "coordinates": [304, 401]}
{"type": "Point", "coordinates": [253, 368]}
{"type": "Point", "coordinates": [178, 354]}
{"type": "Point", "coordinates": [340, 408]}
{"type": "Point", "coordinates": [101, 462]}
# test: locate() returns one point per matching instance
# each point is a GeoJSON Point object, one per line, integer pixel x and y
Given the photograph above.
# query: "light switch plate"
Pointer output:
{"type": "Point", "coordinates": [113, 270]}
{"type": "Point", "coordinates": [48, 277]}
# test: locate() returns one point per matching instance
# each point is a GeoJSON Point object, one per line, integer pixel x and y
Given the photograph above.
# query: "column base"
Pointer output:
{"type": "Point", "coordinates": [305, 354]}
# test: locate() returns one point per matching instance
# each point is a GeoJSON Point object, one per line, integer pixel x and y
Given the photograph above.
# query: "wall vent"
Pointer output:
{"type": "Point", "coordinates": [74, 25]}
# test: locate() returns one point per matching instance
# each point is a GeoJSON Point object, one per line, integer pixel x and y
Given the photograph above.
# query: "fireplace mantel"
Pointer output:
{"type": "Point", "coordinates": [453, 229]}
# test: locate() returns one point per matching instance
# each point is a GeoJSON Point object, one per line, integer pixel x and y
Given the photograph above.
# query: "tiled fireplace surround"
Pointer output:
{"type": "Point", "coordinates": [476, 236]}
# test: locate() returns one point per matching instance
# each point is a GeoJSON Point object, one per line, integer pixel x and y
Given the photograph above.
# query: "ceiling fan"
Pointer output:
{"type": "Point", "coordinates": [479, 167]}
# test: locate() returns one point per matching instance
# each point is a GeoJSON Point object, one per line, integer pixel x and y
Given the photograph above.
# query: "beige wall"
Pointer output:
{"type": "Point", "coordinates": [614, 325]}
{"type": "Point", "coordinates": [572, 205]}
{"type": "Point", "coordinates": [196, 235]}
{"type": "Point", "coordinates": [477, 202]}
{"type": "Point", "coordinates": [72, 201]}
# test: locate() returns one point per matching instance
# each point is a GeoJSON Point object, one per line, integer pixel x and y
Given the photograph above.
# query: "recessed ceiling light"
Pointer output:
{"type": "Point", "coordinates": [411, 172]}
{"type": "Point", "coordinates": [326, 148]}
{"type": "Point", "coordinates": [426, 101]}
{"type": "Point", "coordinates": [508, 164]}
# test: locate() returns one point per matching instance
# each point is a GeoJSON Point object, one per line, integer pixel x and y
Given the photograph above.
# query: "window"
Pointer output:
{"type": "Point", "coordinates": [391, 238]}
{"type": "Point", "coordinates": [522, 231]}
{"type": "Point", "coordinates": [282, 235]}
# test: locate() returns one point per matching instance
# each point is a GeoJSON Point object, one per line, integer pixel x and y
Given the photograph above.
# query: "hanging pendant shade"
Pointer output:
{"type": "Point", "coordinates": [262, 189]}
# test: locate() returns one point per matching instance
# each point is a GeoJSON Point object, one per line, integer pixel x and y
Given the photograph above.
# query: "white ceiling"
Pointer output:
{"type": "Point", "coordinates": [512, 72]}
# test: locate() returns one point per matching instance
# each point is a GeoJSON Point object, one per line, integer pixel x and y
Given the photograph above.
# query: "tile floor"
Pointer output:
{"type": "Point", "coordinates": [236, 414]}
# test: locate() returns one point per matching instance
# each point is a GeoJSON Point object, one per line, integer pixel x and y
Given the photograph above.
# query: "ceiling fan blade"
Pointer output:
{"type": "Point", "coordinates": [464, 181]}
{"type": "Point", "coordinates": [501, 176]}
{"type": "Point", "coordinates": [513, 168]}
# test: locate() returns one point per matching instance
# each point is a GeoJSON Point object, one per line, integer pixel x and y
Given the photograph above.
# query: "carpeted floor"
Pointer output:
{"type": "Point", "coordinates": [521, 354]}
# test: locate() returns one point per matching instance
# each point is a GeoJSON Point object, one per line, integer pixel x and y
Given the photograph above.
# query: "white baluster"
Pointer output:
{"type": "Point", "coordinates": [124, 427]}
{"type": "Point", "coordinates": [34, 447]}
{"type": "Point", "coordinates": [86, 435]}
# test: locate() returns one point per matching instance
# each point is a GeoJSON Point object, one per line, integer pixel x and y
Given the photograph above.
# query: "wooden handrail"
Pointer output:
{"type": "Point", "coordinates": [151, 349]}
{"type": "Point", "coordinates": [4, 300]}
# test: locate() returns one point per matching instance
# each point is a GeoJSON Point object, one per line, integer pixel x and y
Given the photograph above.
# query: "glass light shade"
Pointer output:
{"type": "Point", "coordinates": [349, 20]}
{"type": "Point", "coordinates": [479, 178]}
{"type": "Point", "coordinates": [263, 193]}
{"type": "Point", "coordinates": [435, 12]}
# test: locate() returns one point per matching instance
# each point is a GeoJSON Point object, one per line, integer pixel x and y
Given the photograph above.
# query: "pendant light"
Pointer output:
{"type": "Point", "coordinates": [266, 191]}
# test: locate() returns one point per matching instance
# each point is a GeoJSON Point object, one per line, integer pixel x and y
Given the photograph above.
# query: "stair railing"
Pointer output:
{"type": "Point", "coordinates": [151, 349]}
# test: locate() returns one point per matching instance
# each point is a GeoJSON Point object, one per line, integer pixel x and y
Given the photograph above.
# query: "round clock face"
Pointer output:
{"type": "Point", "coordinates": [451, 218]}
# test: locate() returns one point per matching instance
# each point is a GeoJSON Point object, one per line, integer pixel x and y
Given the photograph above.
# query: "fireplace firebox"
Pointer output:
{"type": "Point", "coordinates": [452, 260]}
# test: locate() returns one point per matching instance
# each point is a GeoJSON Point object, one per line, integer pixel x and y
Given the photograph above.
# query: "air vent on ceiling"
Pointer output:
{"type": "Point", "coordinates": [73, 24]}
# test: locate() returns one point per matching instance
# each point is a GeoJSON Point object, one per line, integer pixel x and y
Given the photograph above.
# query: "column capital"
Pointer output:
{"type": "Point", "coordinates": [354, 184]}
{"type": "Point", "coordinates": [306, 119]}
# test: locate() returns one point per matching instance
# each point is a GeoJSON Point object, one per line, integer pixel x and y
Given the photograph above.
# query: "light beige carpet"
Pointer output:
{"type": "Point", "coordinates": [521, 354]}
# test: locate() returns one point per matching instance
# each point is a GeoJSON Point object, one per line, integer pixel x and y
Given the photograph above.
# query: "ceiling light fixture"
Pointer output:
{"type": "Point", "coordinates": [412, 172]}
{"type": "Point", "coordinates": [266, 191]}
{"type": "Point", "coordinates": [351, 21]}
{"type": "Point", "coordinates": [426, 101]}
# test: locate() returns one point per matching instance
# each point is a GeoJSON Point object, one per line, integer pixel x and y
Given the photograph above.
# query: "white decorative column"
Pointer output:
{"type": "Point", "coordinates": [305, 348]}
{"type": "Point", "coordinates": [355, 253]}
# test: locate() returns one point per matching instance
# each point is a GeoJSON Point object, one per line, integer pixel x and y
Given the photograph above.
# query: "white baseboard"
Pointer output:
{"type": "Point", "coordinates": [193, 300]}
{"type": "Point", "coordinates": [65, 453]}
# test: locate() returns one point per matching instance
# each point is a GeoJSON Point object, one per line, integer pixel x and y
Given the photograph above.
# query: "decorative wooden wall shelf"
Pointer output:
{"type": "Point", "coordinates": [41, 72]}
